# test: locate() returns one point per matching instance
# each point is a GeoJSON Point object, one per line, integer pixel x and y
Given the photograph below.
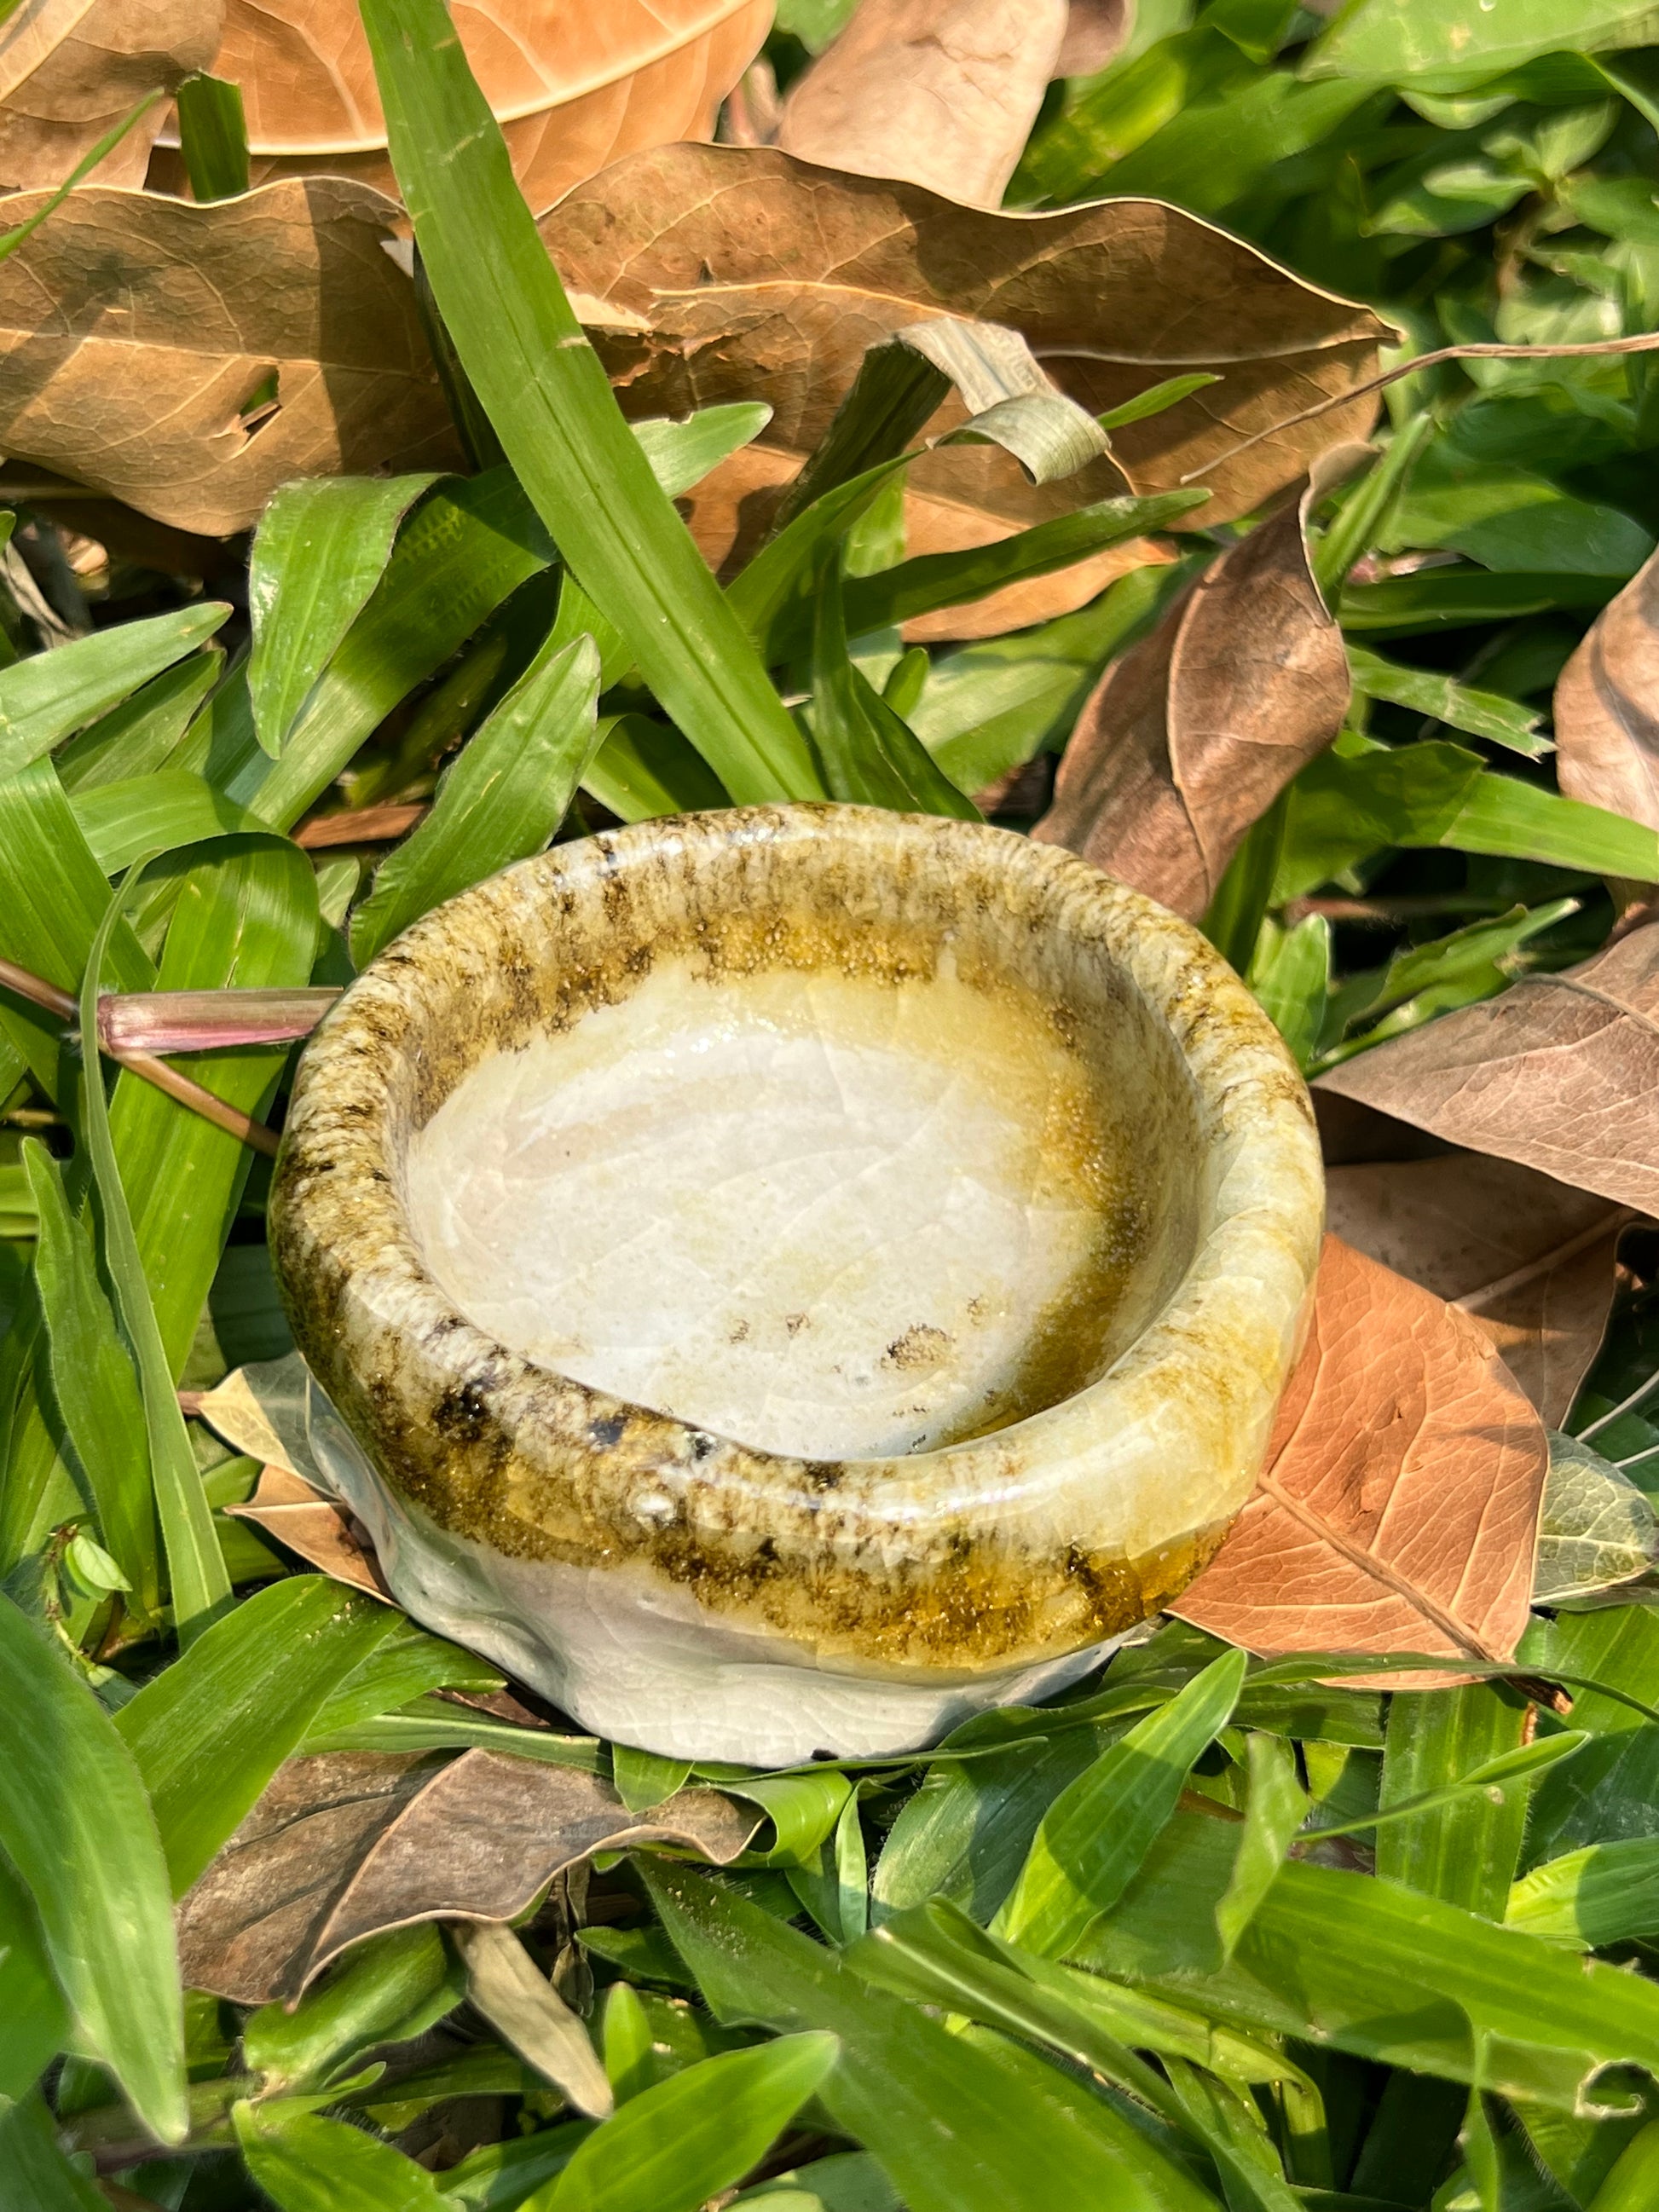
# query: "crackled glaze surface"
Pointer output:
{"type": "Point", "coordinates": [565, 1164]}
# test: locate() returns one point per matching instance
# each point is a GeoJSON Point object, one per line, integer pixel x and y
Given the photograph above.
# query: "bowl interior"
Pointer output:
{"type": "Point", "coordinates": [835, 1168]}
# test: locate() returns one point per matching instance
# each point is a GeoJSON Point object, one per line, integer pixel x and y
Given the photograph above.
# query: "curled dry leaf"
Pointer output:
{"type": "Point", "coordinates": [504, 1983]}
{"type": "Point", "coordinates": [347, 1844]}
{"type": "Point", "coordinates": [324, 1536]}
{"type": "Point", "coordinates": [1529, 1258]}
{"type": "Point", "coordinates": [1560, 1073]}
{"type": "Point", "coordinates": [1191, 734]}
{"type": "Point", "coordinates": [942, 92]}
{"type": "Point", "coordinates": [71, 69]}
{"type": "Point", "coordinates": [136, 331]}
{"type": "Point", "coordinates": [572, 87]}
{"type": "Point", "coordinates": [1606, 706]}
{"type": "Point", "coordinates": [718, 273]}
{"type": "Point", "coordinates": [1399, 1510]}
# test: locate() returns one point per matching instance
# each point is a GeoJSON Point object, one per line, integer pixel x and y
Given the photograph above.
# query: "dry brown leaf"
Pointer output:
{"type": "Point", "coordinates": [1399, 1510]}
{"type": "Point", "coordinates": [287, 1507]}
{"type": "Point", "coordinates": [1559, 1072]}
{"type": "Point", "coordinates": [733, 272]}
{"type": "Point", "coordinates": [346, 1844]}
{"type": "Point", "coordinates": [941, 92]}
{"type": "Point", "coordinates": [1191, 734]}
{"type": "Point", "coordinates": [1096, 32]}
{"type": "Point", "coordinates": [1531, 1260]}
{"type": "Point", "coordinates": [504, 1983]}
{"type": "Point", "coordinates": [133, 330]}
{"type": "Point", "coordinates": [1606, 706]}
{"type": "Point", "coordinates": [572, 87]}
{"type": "Point", "coordinates": [71, 69]}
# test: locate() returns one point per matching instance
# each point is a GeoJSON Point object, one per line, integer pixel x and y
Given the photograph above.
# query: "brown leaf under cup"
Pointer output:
{"type": "Point", "coordinates": [1559, 1072]}
{"type": "Point", "coordinates": [347, 1844]}
{"type": "Point", "coordinates": [1399, 1509]}
{"type": "Point", "coordinates": [1190, 737]}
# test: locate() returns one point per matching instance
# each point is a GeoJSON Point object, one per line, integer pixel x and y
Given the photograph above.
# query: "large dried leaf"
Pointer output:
{"type": "Point", "coordinates": [135, 330]}
{"type": "Point", "coordinates": [1399, 1509]}
{"type": "Point", "coordinates": [346, 1844]}
{"type": "Point", "coordinates": [1193, 733]}
{"type": "Point", "coordinates": [1606, 706]}
{"type": "Point", "coordinates": [1560, 1073]}
{"type": "Point", "coordinates": [69, 70]}
{"type": "Point", "coordinates": [573, 87]}
{"type": "Point", "coordinates": [942, 92]}
{"type": "Point", "coordinates": [285, 1506]}
{"type": "Point", "coordinates": [710, 273]}
{"type": "Point", "coordinates": [1530, 1259]}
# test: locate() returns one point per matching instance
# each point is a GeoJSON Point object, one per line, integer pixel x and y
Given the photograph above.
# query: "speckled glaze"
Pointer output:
{"type": "Point", "coordinates": [680, 1589]}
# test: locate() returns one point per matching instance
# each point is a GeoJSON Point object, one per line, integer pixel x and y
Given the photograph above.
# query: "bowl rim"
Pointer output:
{"type": "Point", "coordinates": [605, 1481]}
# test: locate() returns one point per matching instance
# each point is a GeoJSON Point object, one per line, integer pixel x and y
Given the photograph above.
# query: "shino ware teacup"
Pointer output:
{"type": "Point", "coordinates": [780, 1281]}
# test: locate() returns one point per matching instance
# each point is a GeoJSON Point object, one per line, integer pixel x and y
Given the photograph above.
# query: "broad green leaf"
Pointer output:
{"type": "Point", "coordinates": [932, 580]}
{"type": "Point", "coordinates": [643, 1779]}
{"type": "Point", "coordinates": [1216, 150]}
{"type": "Point", "coordinates": [836, 1891]}
{"type": "Point", "coordinates": [848, 2181]}
{"type": "Point", "coordinates": [643, 769]}
{"type": "Point", "coordinates": [625, 2042]}
{"type": "Point", "coordinates": [244, 918]}
{"type": "Point", "coordinates": [34, 2172]}
{"type": "Point", "coordinates": [1291, 975]}
{"type": "Point", "coordinates": [1369, 1967]}
{"type": "Point", "coordinates": [1098, 1831]}
{"type": "Point", "coordinates": [1631, 2184]}
{"type": "Point", "coordinates": [464, 551]}
{"type": "Point", "coordinates": [1120, 110]}
{"type": "Point", "coordinates": [305, 2163]}
{"type": "Point", "coordinates": [1428, 979]}
{"type": "Point", "coordinates": [1426, 691]}
{"type": "Point", "coordinates": [1521, 821]}
{"type": "Point", "coordinates": [938, 1957]}
{"type": "Point", "coordinates": [209, 1731]}
{"type": "Point", "coordinates": [1275, 1809]}
{"type": "Point", "coordinates": [402, 1665]}
{"type": "Point", "coordinates": [682, 454]}
{"type": "Point", "coordinates": [551, 405]}
{"type": "Point", "coordinates": [93, 1383]}
{"type": "Point", "coordinates": [803, 1808]}
{"type": "Point", "coordinates": [1597, 1530]}
{"type": "Point", "coordinates": [75, 1823]}
{"type": "Point", "coordinates": [1610, 1792]}
{"type": "Point", "coordinates": [1447, 45]}
{"type": "Point", "coordinates": [146, 732]}
{"type": "Point", "coordinates": [321, 548]}
{"type": "Point", "coordinates": [154, 813]}
{"type": "Point", "coordinates": [1509, 518]}
{"type": "Point", "coordinates": [501, 2176]}
{"type": "Point", "coordinates": [1443, 195]}
{"type": "Point", "coordinates": [44, 699]}
{"type": "Point", "coordinates": [34, 2024]}
{"type": "Point", "coordinates": [53, 897]}
{"type": "Point", "coordinates": [385, 1991]}
{"type": "Point", "coordinates": [500, 801]}
{"type": "Point", "coordinates": [958, 2125]}
{"type": "Point", "coordinates": [1466, 1852]}
{"type": "Point", "coordinates": [1450, 599]}
{"type": "Point", "coordinates": [212, 136]}
{"type": "Point", "coordinates": [870, 757]}
{"type": "Point", "coordinates": [674, 2146]}
{"type": "Point", "coordinates": [1603, 1893]}
{"type": "Point", "coordinates": [197, 1582]}
{"type": "Point", "coordinates": [988, 707]}
{"type": "Point", "coordinates": [965, 1833]}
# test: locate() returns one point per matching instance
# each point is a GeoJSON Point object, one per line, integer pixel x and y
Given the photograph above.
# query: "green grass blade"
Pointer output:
{"type": "Point", "coordinates": [76, 1826]}
{"type": "Point", "coordinates": [1275, 1809]}
{"type": "Point", "coordinates": [896, 391]}
{"type": "Point", "coordinates": [871, 757]}
{"type": "Point", "coordinates": [11, 239]}
{"type": "Point", "coordinates": [213, 137]}
{"type": "Point", "coordinates": [152, 814]}
{"type": "Point", "coordinates": [93, 1383]}
{"type": "Point", "coordinates": [552, 407]}
{"type": "Point", "coordinates": [501, 801]}
{"type": "Point", "coordinates": [34, 2172]}
{"type": "Point", "coordinates": [209, 1731]}
{"type": "Point", "coordinates": [199, 1586]}
{"type": "Point", "coordinates": [673, 2147]}
{"type": "Point", "coordinates": [1096, 1835]}
{"type": "Point", "coordinates": [321, 548]}
{"type": "Point", "coordinates": [44, 699]}
{"type": "Point", "coordinates": [305, 2163]}
{"type": "Point", "coordinates": [146, 732]}
{"type": "Point", "coordinates": [1466, 1852]}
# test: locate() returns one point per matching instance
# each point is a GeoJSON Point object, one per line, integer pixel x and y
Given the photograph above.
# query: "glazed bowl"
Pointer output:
{"type": "Point", "coordinates": [780, 1281]}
